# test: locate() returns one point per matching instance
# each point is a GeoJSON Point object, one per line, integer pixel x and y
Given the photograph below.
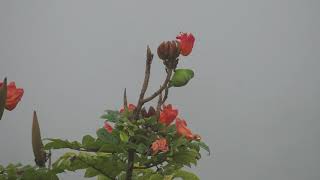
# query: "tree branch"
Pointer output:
{"type": "Point", "coordinates": [145, 82]}
{"type": "Point", "coordinates": [163, 86]}
{"type": "Point", "coordinates": [165, 95]}
{"type": "Point", "coordinates": [130, 167]}
{"type": "Point", "coordinates": [159, 106]}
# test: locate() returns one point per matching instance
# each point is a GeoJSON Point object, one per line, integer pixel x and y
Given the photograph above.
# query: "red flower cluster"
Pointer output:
{"type": "Point", "coordinates": [14, 95]}
{"type": "Point", "coordinates": [186, 43]}
{"type": "Point", "coordinates": [159, 145]}
{"type": "Point", "coordinates": [131, 108]}
{"type": "Point", "coordinates": [168, 115]}
{"type": "Point", "coordinates": [108, 127]}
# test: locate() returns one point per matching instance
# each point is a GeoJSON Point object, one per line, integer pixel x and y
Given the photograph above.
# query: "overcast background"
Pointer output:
{"type": "Point", "coordinates": [255, 98]}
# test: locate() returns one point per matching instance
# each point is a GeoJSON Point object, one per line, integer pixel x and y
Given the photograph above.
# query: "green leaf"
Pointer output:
{"type": "Point", "coordinates": [171, 129]}
{"type": "Point", "coordinates": [87, 140]}
{"type": "Point", "coordinates": [11, 171]}
{"type": "Point", "coordinates": [181, 77]}
{"type": "Point", "coordinates": [204, 146]}
{"type": "Point", "coordinates": [60, 144]}
{"type": "Point", "coordinates": [141, 148]}
{"type": "Point", "coordinates": [156, 177]}
{"type": "Point", "coordinates": [111, 148]}
{"type": "Point", "coordinates": [186, 157]}
{"type": "Point", "coordinates": [144, 174]}
{"type": "Point", "coordinates": [3, 96]}
{"type": "Point", "coordinates": [124, 137]}
{"type": "Point", "coordinates": [178, 142]}
{"type": "Point", "coordinates": [107, 137]}
{"type": "Point", "coordinates": [91, 172]}
{"type": "Point", "coordinates": [102, 177]}
{"type": "Point", "coordinates": [185, 175]}
{"type": "Point", "coordinates": [111, 116]}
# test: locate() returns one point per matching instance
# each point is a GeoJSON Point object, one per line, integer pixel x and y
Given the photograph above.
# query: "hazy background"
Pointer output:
{"type": "Point", "coordinates": [255, 98]}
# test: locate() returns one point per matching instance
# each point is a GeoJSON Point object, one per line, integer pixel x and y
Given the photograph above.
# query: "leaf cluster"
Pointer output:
{"type": "Point", "coordinates": [27, 172]}
{"type": "Point", "coordinates": [105, 156]}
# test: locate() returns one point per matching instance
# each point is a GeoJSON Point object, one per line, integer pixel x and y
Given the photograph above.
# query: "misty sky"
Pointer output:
{"type": "Point", "coordinates": [255, 97]}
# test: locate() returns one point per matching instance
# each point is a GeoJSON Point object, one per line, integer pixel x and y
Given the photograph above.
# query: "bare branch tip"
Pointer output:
{"type": "Point", "coordinates": [149, 54]}
{"type": "Point", "coordinates": [125, 100]}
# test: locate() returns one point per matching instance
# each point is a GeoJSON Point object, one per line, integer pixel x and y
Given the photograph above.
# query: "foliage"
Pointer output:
{"type": "Point", "coordinates": [106, 154]}
{"type": "Point", "coordinates": [17, 171]}
{"type": "Point", "coordinates": [133, 143]}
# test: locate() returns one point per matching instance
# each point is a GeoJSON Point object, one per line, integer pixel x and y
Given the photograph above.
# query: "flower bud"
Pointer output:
{"type": "Point", "coordinates": [174, 50]}
{"type": "Point", "coordinates": [151, 112]}
{"type": "Point", "coordinates": [169, 50]}
{"type": "Point", "coordinates": [162, 51]}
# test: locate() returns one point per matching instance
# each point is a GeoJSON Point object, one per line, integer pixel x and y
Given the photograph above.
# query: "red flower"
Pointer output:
{"type": "Point", "coordinates": [168, 115]}
{"type": "Point", "coordinates": [186, 43]}
{"type": "Point", "coordinates": [159, 145]}
{"type": "Point", "coordinates": [108, 127]}
{"type": "Point", "coordinates": [131, 108]}
{"type": "Point", "coordinates": [182, 129]}
{"type": "Point", "coordinates": [14, 95]}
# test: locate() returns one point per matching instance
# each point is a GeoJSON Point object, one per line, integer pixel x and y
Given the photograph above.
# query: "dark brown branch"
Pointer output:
{"type": "Point", "coordinates": [166, 92]}
{"type": "Point", "coordinates": [145, 82]}
{"type": "Point", "coordinates": [163, 86]}
{"type": "Point", "coordinates": [130, 167]}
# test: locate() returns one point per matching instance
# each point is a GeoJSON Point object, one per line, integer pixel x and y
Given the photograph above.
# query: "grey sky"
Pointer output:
{"type": "Point", "coordinates": [255, 96]}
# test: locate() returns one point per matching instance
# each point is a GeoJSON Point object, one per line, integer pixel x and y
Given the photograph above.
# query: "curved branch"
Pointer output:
{"type": "Point", "coordinates": [163, 86]}
{"type": "Point", "coordinates": [165, 95]}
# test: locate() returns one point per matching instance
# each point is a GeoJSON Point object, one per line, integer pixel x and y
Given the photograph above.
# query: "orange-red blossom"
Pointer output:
{"type": "Point", "coordinates": [159, 145]}
{"type": "Point", "coordinates": [14, 95]}
{"type": "Point", "coordinates": [186, 41]}
{"type": "Point", "coordinates": [168, 115]}
{"type": "Point", "coordinates": [183, 130]}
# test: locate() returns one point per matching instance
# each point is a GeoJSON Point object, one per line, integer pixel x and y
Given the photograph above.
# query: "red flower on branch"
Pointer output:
{"type": "Point", "coordinates": [14, 95]}
{"type": "Point", "coordinates": [108, 127]}
{"type": "Point", "coordinates": [168, 115]}
{"type": "Point", "coordinates": [182, 129]}
{"type": "Point", "coordinates": [186, 41]}
{"type": "Point", "coordinates": [159, 145]}
{"type": "Point", "coordinates": [131, 108]}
